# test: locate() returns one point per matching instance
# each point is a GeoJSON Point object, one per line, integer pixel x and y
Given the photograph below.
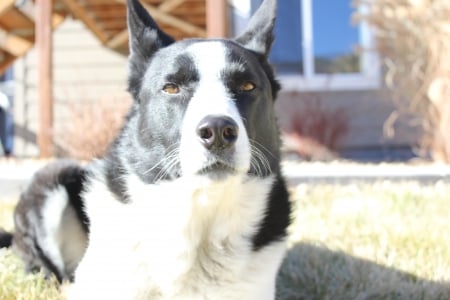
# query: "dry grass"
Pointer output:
{"type": "Point", "coordinates": [359, 241]}
{"type": "Point", "coordinates": [6, 209]}
{"type": "Point", "coordinates": [381, 241]}
{"type": "Point", "coordinates": [16, 285]}
{"type": "Point", "coordinates": [413, 38]}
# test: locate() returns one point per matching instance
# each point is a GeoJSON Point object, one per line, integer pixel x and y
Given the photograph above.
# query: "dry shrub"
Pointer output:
{"type": "Point", "coordinates": [316, 130]}
{"type": "Point", "coordinates": [92, 126]}
{"type": "Point", "coordinates": [413, 38]}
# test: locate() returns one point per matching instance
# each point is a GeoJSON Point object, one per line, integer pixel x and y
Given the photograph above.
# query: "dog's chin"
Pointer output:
{"type": "Point", "coordinates": [218, 170]}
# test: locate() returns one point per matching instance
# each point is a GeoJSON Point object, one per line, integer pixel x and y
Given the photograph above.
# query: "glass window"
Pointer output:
{"type": "Point", "coordinates": [334, 38]}
{"type": "Point", "coordinates": [287, 52]}
{"type": "Point", "coordinates": [317, 47]}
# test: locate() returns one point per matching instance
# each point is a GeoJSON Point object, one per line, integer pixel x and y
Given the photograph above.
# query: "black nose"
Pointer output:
{"type": "Point", "coordinates": [217, 132]}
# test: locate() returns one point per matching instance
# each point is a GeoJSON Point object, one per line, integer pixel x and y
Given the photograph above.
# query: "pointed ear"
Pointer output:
{"type": "Point", "coordinates": [259, 35]}
{"type": "Point", "coordinates": [145, 38]}
{"type": "Point", "coordinates": [145, 35]}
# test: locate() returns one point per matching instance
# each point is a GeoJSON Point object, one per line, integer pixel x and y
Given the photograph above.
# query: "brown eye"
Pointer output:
{"type": "Point", "coordinates": [171, 89]}
{"type": "Point", "coordinates": [247, 86]}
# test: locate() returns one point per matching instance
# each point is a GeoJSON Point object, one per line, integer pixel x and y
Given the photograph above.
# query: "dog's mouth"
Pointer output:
{"type": "Point", "coordinates": [217, 170]}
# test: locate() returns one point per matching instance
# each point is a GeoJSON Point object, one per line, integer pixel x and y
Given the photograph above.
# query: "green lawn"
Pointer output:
{"type": "Point", "coordinates": [355, 241]}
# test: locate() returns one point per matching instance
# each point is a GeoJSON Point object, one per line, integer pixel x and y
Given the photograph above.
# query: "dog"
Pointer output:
{"type": "Point", "coordinates": [190, 202]}
{"type": "Point", "coordinates": [51, 227]}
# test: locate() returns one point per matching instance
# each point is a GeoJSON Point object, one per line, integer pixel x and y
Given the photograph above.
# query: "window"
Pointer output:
{"type": "Point", "coordinates": [334, 38]}
{"type": "Point", "coordinates": [317, 47]}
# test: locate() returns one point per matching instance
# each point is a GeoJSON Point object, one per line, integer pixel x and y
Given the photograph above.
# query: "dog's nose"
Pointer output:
{"type": "Point", "coordinates": [217, 132]}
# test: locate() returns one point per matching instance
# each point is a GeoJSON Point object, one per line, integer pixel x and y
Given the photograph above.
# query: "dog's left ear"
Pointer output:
{"type": "Point", "coordinates": [145, 38]}
{"type": "Point", "coordinates": [259, 35]}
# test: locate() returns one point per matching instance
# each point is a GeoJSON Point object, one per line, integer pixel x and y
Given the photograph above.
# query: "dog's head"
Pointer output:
{"type": "Point", "coordinates": [206, 105]}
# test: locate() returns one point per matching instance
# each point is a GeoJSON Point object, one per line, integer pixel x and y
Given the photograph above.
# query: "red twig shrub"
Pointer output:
{"type": "Point", "coordinates": [316, 130]}
{"type": "Point", "coordinates": [91, 126]}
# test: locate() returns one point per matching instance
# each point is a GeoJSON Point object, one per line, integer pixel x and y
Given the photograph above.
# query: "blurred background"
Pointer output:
{"type": "Point", "coordinates": [364, 115]}
{"type": "Point", "coordinates": [362, 80]}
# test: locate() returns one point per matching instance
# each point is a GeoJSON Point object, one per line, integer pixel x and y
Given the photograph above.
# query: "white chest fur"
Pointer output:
{"type": "Point", "coordinates": [188, 239]}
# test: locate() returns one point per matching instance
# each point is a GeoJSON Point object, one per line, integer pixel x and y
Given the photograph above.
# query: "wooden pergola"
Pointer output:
{"type": "Point", "coordinates": [26, 23]}
{"type": "Point", "coordinates": [180, 18]}
{"type": "Point", "coordinates": [17, 29]}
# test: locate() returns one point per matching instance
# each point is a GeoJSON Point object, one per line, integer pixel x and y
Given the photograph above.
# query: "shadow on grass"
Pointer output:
{"type": "Point", "coordinates": [315, 272]}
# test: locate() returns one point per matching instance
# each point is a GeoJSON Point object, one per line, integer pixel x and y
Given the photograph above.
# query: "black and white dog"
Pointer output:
{"type": "Point", "coordinates": [190, 202]}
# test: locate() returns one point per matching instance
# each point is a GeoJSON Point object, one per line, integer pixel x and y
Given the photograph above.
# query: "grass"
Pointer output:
{"type": "Point", "coordinates": [14, 283]}
{"type": "Point", "coordinates": [357, 241]}
{"type": "Point", "coordinates": [378, 241]}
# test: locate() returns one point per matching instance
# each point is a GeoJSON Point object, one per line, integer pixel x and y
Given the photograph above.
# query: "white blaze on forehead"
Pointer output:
{"type": "Point", "coordinates": [210, 58]}
{"type": "Point", "coordinates": [210, 98]}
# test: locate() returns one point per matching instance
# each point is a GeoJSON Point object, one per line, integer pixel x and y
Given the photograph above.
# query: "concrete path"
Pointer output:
{"type": "Point", "coordinates": [344, 172]}
{"type": "Point", "coordinates": [14, 175]}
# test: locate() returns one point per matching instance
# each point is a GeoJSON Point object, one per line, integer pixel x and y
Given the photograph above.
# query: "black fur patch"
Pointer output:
{"type": "Point", "coordinates": [185, 73]}
{"type": "Point", "coordinates": [73, 179]}
{"type": "Point", "coordinates": [5, 239]}
{"type": "Point", "coordinates": [277, 217]}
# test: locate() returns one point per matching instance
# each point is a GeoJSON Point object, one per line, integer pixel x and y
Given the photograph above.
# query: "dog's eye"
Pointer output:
{"type": "Point", "coordinates": [171, 88]}
{"type": "Point", "coordinates": [247, 86]}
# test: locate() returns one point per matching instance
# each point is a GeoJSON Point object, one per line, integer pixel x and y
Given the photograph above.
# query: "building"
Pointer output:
{"type": "Point", "coordinates": [317, 55]}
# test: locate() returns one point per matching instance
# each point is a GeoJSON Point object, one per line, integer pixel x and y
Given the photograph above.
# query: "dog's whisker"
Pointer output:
{"type": "Point", "coordinates": [167, 169]}
{"type": "Point", "coordinates": [162, 172]}
{"type": "Point", "coordinates": [154, 166]}
{"type": "Point", "coordinates": [172, 160]}
{"type": "Point", "coordinates": [169, 155]}
{"type": "Point", "coordinates": [258, 144]}
{"type": "Point", "coordinates": [258, 155]}
{"type": "Point", "coordinates": [256, 166]}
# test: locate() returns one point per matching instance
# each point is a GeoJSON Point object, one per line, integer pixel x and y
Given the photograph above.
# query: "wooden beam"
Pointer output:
{"type": "Point", "coordinates": [14, 44]}
{"type": "Point", "coordinates": [45, 78]}
{"type": "Point", "coordinates": [81, 14]}
{"type": "Point", "coordinates": [170, 5]}
{"type": "Point", "coordinates": [6, 5]}
{"type": "Point", "coordinates": [118, 40]}
{"type": "Point", "coordinates": [28, 9]}
{"type": "Point", "coordinates": [165, 18]}
{"type": "Point", "coordinates": [57, 19]}
{"type": "Point", "coordinates": [121, 38]}
{"type": "Point", "coordinates": [170, 20]}
{"type": "Point", "coordinates": [216, 18]}
{"type": "Point", "coordinates": [119, 24]}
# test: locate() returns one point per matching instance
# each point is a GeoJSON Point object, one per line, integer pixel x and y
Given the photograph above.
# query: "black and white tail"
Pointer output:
{"type": "Point", "coordinates": [50, 224]}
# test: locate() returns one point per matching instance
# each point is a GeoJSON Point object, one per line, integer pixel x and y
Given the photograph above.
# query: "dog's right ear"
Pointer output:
{"type": "Point", "coordinates": [145, 38]}
{"type": "Point", "coordinates": [259, 35]}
